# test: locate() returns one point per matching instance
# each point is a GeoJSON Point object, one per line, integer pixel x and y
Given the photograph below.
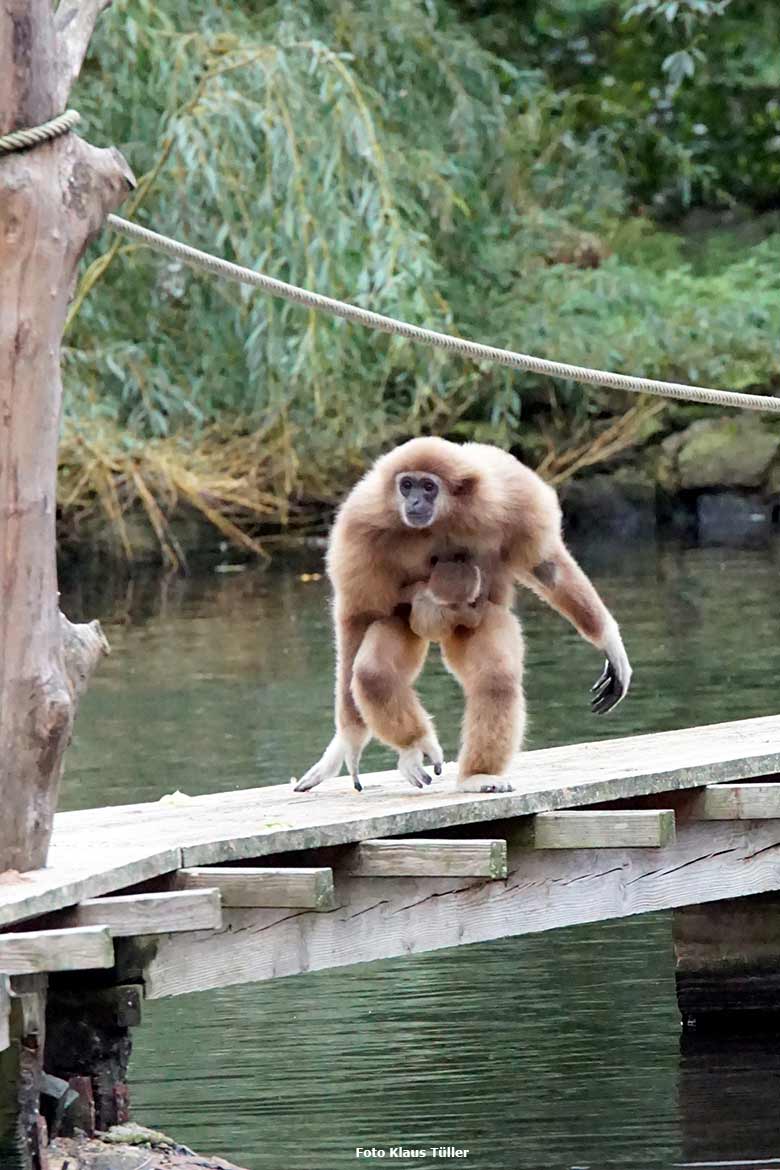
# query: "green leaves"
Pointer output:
{"type": "Point", "coordinates": [384, 153]}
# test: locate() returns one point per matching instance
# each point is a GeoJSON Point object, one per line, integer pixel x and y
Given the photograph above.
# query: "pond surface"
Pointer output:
{"type": "Point", "coordinates": [559, 1050]}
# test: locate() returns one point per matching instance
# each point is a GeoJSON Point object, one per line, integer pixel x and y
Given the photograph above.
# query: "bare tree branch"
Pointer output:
{"type": "Point", "coordinates": [83, 646]}
{"type": "Point", "coordinates": [73, 26]}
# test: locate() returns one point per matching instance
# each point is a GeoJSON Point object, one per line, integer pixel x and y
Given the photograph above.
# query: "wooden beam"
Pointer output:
{"type": "Point", "coordinates": [416, 857]}
{"type": "Point", "coordinates": [545, 889]}
{"type": "Point", "coordinates": [301, 889]}
{"type": "Point", "coordinates": [736, 802]}
{"type": "Point", "coordinates": [131, 914]}
{"type": "Point", "coordinates": [601, 829]}
{"type": "Point", "coordinates": [84, 949]}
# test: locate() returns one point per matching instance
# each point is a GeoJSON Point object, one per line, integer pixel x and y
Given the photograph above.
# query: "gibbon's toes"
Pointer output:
{"type": "Point", "coordinates": [329, 764]}
{"type": "Point", "coordinates": [410, 767]}
{"type": "Point", "coordinates": [356, 782]}
{"type": "Point", "coordinates": [310, 780]}
{"type": "Point", "coordinates": [481, 783]}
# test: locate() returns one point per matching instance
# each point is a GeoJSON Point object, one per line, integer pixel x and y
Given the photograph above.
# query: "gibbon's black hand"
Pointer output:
{"type": "Point", "coordinates": [610, 687]}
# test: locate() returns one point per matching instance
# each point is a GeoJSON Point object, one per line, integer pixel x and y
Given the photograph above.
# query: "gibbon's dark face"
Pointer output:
{"type": "Point", "coordinates": [419, 497]}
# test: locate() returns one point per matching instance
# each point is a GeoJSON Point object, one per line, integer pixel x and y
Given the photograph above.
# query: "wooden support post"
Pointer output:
{"type": "Point", "coordinates": [5, 1013]}
{"type": "Point", "coordinates": [241, 887]}
{"type": "Point", "coordinates": [736, 802]}
{"type": "Point", "coordinates": [131, 914]}
{"type": "Point", "coordinates": [416, 857]}
{"type": "Point", "coordinates": [21, 1067]}
{"type": "Point", "coordinates": [601, 829]}
{"type": "Point", "coordinates": [727, 1100]}
{"type": "Point", "coordinates": [728, 962]}
{"type": "Point", "coordinates": [88, 1045]}
{"type": "Point", "coordinates": [83, 949]}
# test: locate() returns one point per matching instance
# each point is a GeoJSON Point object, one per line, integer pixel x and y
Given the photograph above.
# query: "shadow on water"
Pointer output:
{"type": "Point", "coordinates": [556, 1050]}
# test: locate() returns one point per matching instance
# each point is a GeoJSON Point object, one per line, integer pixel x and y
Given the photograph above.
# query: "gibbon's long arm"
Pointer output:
{"type": "Point", "coordinates": [560, 581]}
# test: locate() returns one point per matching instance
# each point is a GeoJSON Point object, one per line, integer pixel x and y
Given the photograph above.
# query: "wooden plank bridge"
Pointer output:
{"type": "Point", "coordinates": [152, 900]}
{"type": "Point", "coordinates": [252, 885]}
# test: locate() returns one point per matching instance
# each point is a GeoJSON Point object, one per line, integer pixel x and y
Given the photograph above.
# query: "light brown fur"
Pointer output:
{"type": "Point", "coordinates": [497, 515]}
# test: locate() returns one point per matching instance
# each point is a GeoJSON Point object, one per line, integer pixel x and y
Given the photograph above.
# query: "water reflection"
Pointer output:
{"type": "Point", "coordinates": [557, 1050]}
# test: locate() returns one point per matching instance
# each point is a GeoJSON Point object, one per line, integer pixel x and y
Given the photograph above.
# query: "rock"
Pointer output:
{"type": "Point", "coordinates": [617, 506]}
{"type": "Point", "coordinates": [718, 453]}
{"type": "Point", "coordinates": [733, 518]}
{"type": "Point", "coordinates": [130, 1147]}
{"type": "Point", "coordinates": [119, 1160]}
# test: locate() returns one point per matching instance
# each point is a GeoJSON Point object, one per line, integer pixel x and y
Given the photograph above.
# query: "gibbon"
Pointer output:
{"type": "Point", "coordinates": [430, 498]}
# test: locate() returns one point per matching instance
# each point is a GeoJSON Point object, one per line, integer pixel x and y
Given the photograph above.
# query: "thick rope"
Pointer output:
{"type": "Point", "coordinates": [22, 139]}
{"type": "Point", "coordinates": [459, 345]}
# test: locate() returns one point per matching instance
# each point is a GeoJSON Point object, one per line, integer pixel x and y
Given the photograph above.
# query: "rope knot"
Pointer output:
{"type": "Point", "coordinates": [35, 135]}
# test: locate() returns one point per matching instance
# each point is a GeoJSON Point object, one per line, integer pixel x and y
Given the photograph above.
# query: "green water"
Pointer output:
{"type": "Point", "coordinates": [559, 1050]}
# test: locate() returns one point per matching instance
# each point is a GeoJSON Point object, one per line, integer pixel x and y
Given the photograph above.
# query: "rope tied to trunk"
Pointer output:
{"type": "Point", "coordinates": [35, 135]}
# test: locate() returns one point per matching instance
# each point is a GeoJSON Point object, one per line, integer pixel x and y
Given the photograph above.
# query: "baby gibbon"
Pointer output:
{"type": "Point", "coordinates": [452, 596]}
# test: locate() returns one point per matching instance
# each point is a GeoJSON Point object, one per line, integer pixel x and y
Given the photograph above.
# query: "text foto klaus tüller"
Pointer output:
{"type": "Point", "coordinates": [404, 1152]}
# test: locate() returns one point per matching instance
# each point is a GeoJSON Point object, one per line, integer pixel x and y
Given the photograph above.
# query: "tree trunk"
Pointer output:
{"type": "Point", "coordinates": [53, 199]}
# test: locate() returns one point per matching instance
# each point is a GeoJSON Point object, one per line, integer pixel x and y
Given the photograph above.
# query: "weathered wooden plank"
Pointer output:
{"type": "Point", "coordinates": [302, 888]}
{"type": "Point", "coordinates": [231, 826]}
{"type": "Point", "coordinates": [79, 868]}
{"type": "Point", "coordinates": [102, 850]}
{"type": "Point", "coordinates": [84, 949]}
{"type": "Point", "coordinates": [381, 917]}
{"type": "Point", "coordinates": [132, 914]}
{"type": "Point", "coordinates": [736, 802]}
{"type": "Point", "coordinates": [416, 857]}
{"type": "Point", "coordinates": [601, 829]}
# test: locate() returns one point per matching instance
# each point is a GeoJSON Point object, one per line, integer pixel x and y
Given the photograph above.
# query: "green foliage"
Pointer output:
{"type": "Point", "coordinates": [391, 155]}
{"type": "Point", "coordinates": [684, 90]}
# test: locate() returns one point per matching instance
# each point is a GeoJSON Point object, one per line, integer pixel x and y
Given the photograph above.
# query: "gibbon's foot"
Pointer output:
{"type": "Point", "coordinates": [611, 686]}
{"type": "Point", "coordinates": [329, 765]}
{"type": "Point", "coordinates": [410, 762]}
{"type": "Point", "coordinates": [356, 782]}
{"type": "Point", "coordinates": [482, 783]}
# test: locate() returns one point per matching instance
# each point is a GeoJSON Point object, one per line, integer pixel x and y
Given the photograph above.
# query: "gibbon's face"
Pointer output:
{"type": "Point", "coordinates": [419, 495]}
